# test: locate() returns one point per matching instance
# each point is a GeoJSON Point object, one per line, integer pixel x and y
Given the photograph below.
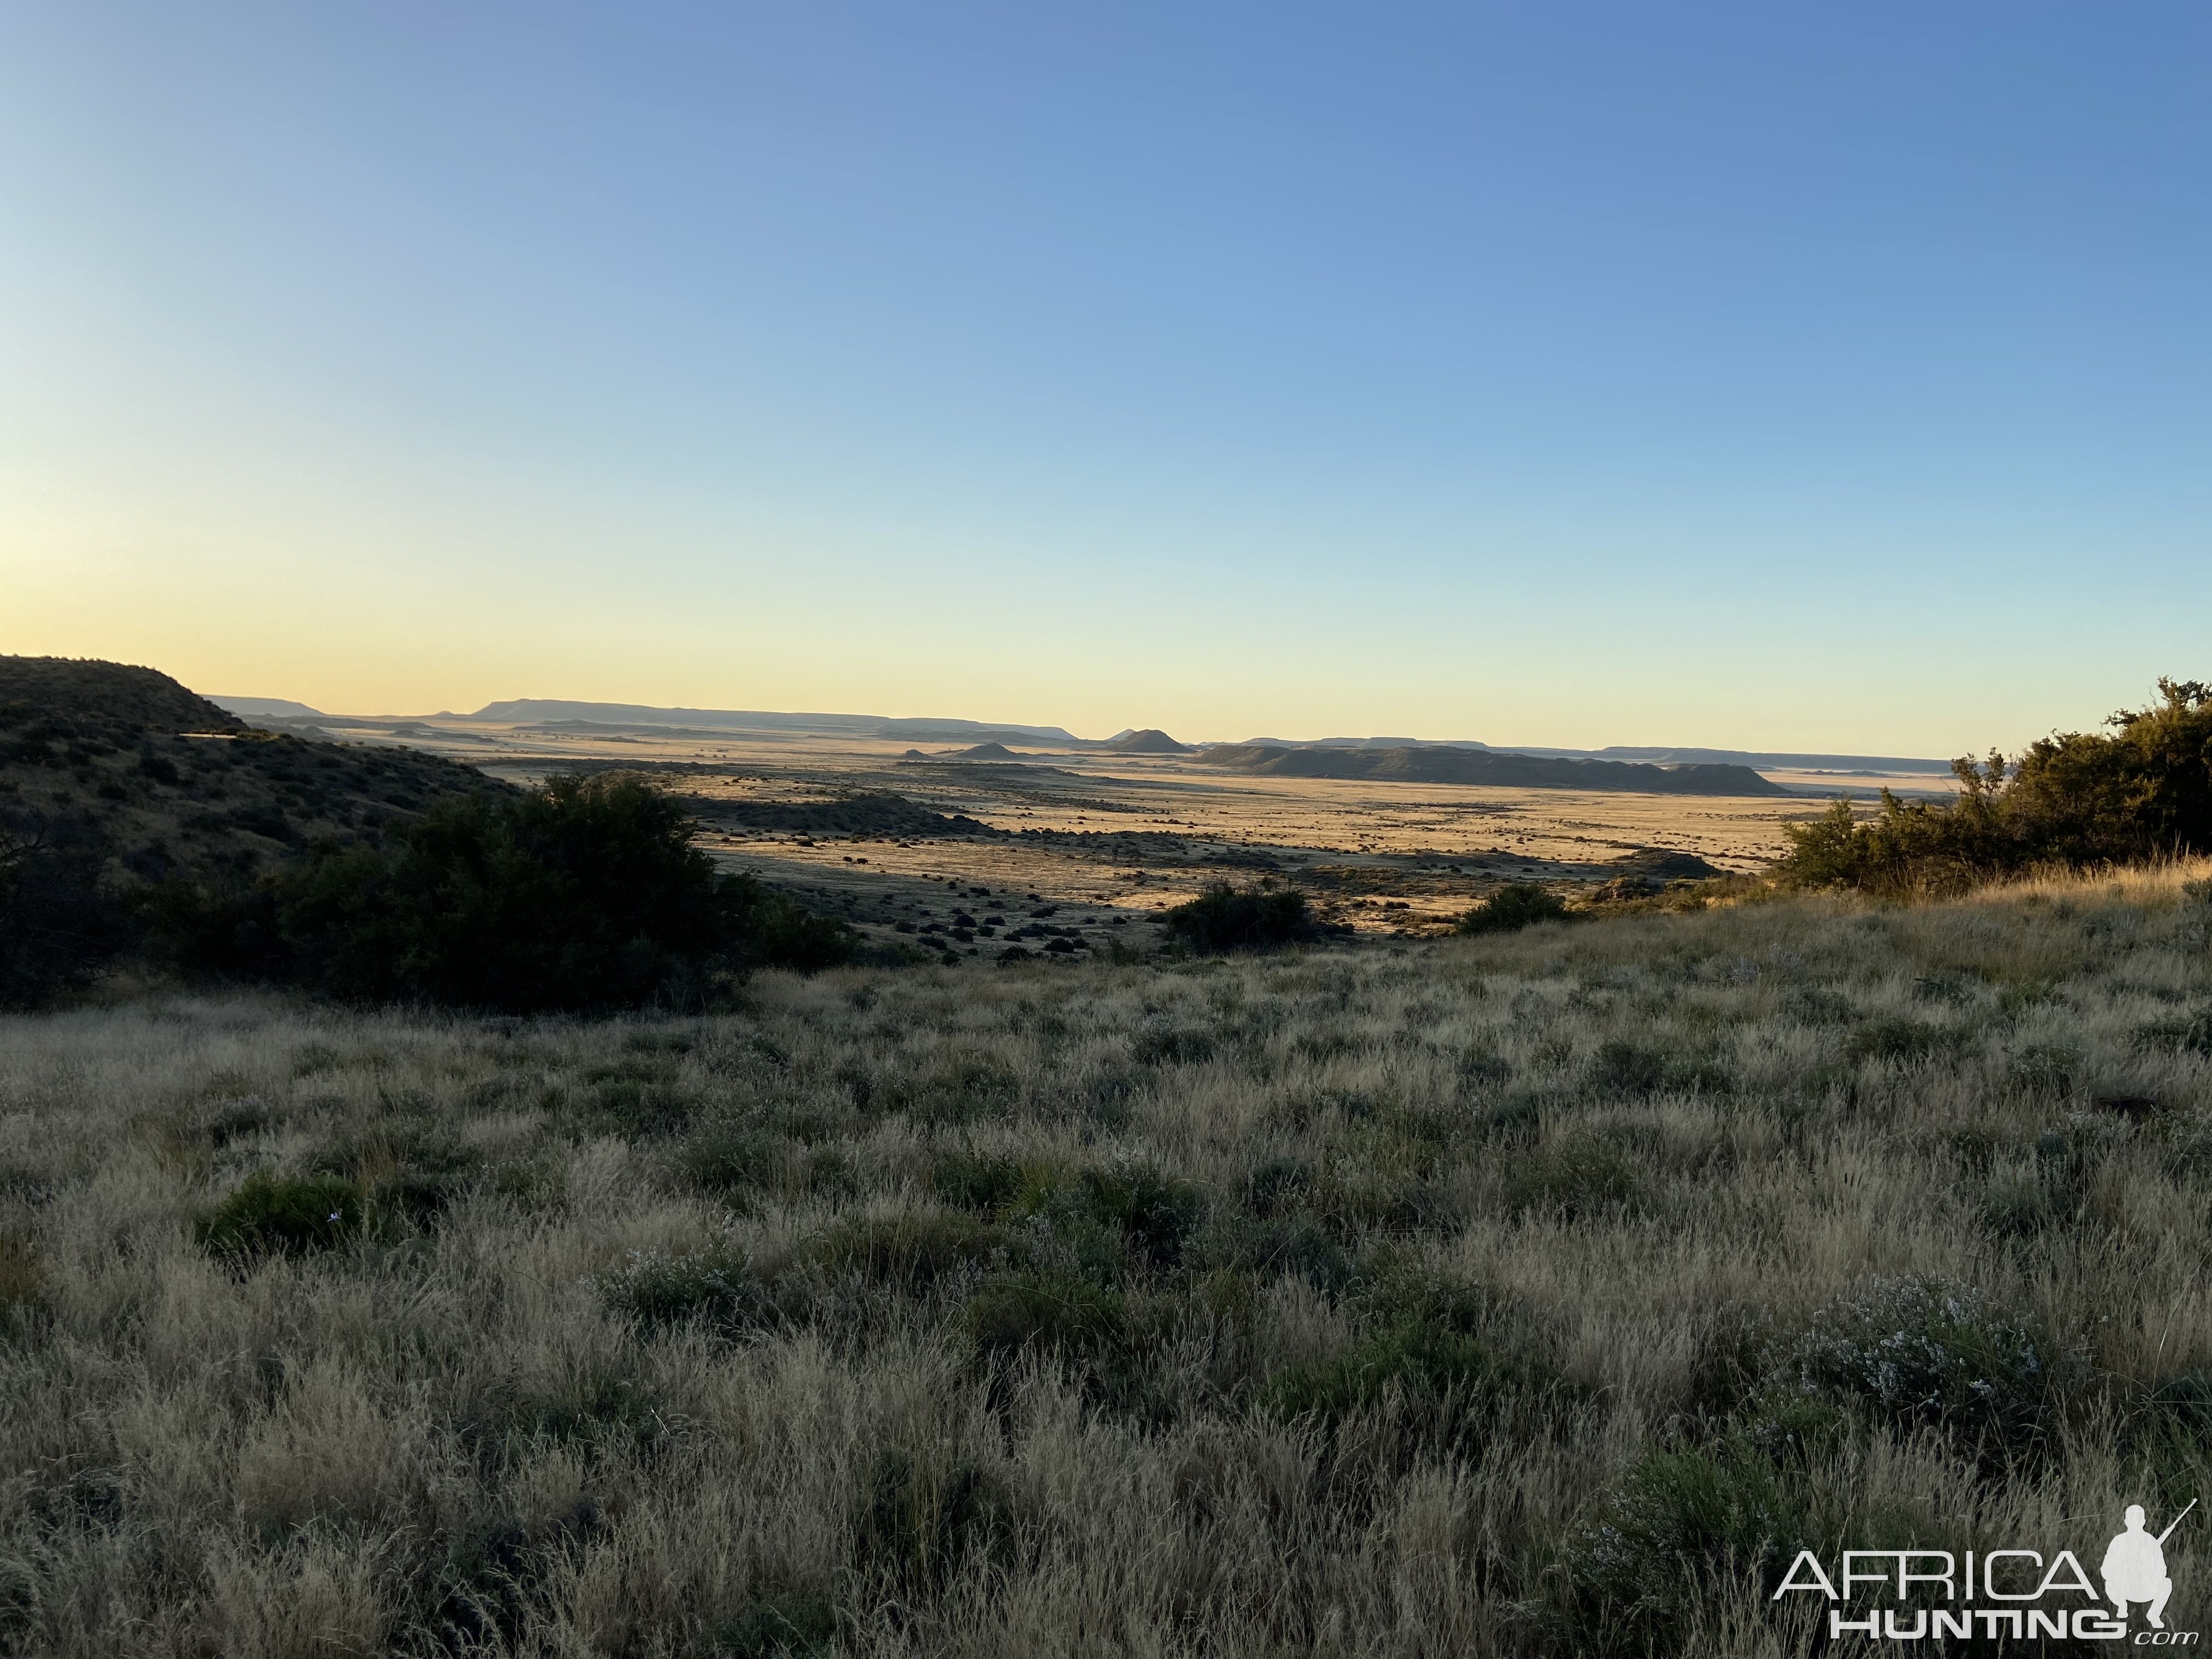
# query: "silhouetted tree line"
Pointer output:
{"type": "Point", "coordinates": [2141, 792]}
{"type": "Point", "coordinates": [585, 894]}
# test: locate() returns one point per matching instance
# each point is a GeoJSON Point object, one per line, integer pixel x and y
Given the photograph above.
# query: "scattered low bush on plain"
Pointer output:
{"type": "Point", "coordinates": [1515, 905]}
{"type": "Point", "coordinates": [1224, 918]}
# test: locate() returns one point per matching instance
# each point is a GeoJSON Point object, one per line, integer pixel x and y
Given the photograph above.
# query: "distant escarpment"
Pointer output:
{"type": "Point", "coordinates": [1437, 764]}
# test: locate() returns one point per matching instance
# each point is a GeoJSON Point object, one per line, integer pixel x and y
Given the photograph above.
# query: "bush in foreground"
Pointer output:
{"type": "Point", "coordinates": [272, 1216]}
{"type": "Point", "coordinates": [1923, 1353]}
{"type": "Point", "coordinates": [2077, 799]}
{"type": "Point", "coordinates": [1224, 918]}
{"type": "Point", "coordinates": [586, 894]}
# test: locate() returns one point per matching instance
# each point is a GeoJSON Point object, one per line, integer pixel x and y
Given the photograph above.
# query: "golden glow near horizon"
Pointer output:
{"type": "Point", "coordinates": [392, 643]}
{"type": "Point", "coordinates": [754, 358]}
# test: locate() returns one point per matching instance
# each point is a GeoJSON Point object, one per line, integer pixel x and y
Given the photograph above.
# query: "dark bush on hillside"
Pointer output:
{"type": "Point", "coordinates": [1224, 918]}
{"type": "Point", "coordinates": [2079, 799]}
{"type": "Point", "coordinates": [1516, 905]}
{"type": "Point", "coordinates": [57, 928]}
{"type": "Point", "coordinates": [586, 894]}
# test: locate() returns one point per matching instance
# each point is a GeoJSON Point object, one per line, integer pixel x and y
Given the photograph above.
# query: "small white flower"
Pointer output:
{"type": "Point", "coordinates": [334, 1215]}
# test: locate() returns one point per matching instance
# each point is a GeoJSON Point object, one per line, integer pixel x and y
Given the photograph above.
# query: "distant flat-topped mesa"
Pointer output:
{"type": "Point", "coordinates": [1439, 764]}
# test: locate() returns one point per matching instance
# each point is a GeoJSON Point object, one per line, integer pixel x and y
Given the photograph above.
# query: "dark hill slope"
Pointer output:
{"type": "Point", "coordinates": [125, 777]}
{"type": "Point", "coordinates": [107, 699]}
{"type": "Point", "coordinates": [1149, 741]}
{"type": "Point", "coordinates": [1470, 766]}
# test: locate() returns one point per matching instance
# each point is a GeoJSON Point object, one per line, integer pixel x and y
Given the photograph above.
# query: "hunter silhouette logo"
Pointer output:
{"type": "Point", "coordinates": [2005, 1593]}
{"type": "Point", "coordinates": [2134, 1565]}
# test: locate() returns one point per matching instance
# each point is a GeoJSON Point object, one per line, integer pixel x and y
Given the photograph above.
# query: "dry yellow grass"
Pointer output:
{"type": "Point", "coordinates": [1643, 1155]}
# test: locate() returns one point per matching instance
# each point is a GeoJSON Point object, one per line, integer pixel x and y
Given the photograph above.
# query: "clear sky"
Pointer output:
{"type": "Point", "coordinates": [1769, 375]}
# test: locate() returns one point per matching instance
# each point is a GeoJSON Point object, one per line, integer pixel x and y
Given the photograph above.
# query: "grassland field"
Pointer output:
{"type": "Point", "coordinates": [1525, 1295]}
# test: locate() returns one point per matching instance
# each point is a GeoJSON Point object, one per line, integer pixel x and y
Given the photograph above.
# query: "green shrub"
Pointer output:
{"type": "Point", "coordinates": [2080, 799]}
{"type": "Point", "coordinates": [1445, 1376]}
{"type": "Point", "coordinates": [1224, 918]}
{"type": "Point", "coordinates": [1155, 1212]}
{"type": "Point", "coordinates": [716, 1288]}
{"type": "Point", "coordinates": [1686, 1521]}
{"type": "Point", "coordinates": [1894, 1038]}
{"type": "Point", "coordinates": [953, 1089]}
{"type": "Point", "coordinates": [1918, 1353]}
{"type": "Point", "coordinates": [1578, 1175]}
{"type": "Point", "coordinates": [1289, 1243]}
{"type": "Point", "coordinates": [586, 894]}
{"type": "Point", "coordinates": [915, 1249]}
{"type": "Point", "coordinates": [1062, 1312]}
{"type": "Point", "coordinates": [272, 1215]}
{"type": "Point", "coordinates": [1515, 905]}
{"type": "Point", "coordinates": [731, 1162]}
{"type": "Point", "coordinates": [984, 1184]}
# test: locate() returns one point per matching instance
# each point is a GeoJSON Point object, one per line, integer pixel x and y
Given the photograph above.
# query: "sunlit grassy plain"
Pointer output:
{"type": "Point", "coordinates": [1433, 1299]}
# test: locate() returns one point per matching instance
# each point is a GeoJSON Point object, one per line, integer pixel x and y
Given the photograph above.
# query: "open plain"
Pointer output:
{"type": "Point", "coordinates": [883, 832]}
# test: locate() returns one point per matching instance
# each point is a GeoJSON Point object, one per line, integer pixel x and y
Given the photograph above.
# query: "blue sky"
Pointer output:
{"type": "Point", "coordinates": [1775, 376]}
